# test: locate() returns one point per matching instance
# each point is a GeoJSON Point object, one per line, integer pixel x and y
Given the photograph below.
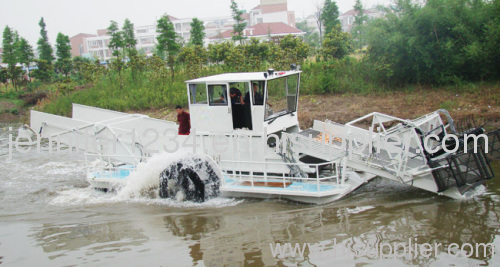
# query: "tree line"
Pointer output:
{"type": "Point", "coordinates": [17, 50]}
{"type": "Point", "coordinates": [438, 42]}
{"type": "Point", "coordinates": [418, 42]}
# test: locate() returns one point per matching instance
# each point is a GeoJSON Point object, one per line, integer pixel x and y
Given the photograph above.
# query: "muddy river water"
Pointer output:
{"type": "Point", "coordinates": [50, 217]}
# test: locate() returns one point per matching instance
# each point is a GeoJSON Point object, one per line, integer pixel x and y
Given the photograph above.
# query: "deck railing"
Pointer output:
{"type": "Point", "coordinates": [232, 170]}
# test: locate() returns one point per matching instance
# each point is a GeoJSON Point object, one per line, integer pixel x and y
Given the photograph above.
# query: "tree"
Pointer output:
{"type": "Point", "coordinates": [193, 57]}
{"type": "Point", "coordinates": [167, 46]}
{"type": "Point", "coordinates": [81, 67]}
{"type": "Point", "coordinates": [330, 16]}
{"type": "Point", "coordinates": [219, 52]}
{"type": "Point", "coordinates": [129, 45]}
{"type": "Point", "coordinates": [240, 24]}
{"type": "Point", "coordinates": [359, 20]}
{"type": "Point", "coordinates": [116, 43]}
{"type": "Point", "coordinates": [4, 76]}
{"type": "Point", "coordinates": [63, 52]}
{"type": "Point", "coordinates": [129, 41]}
{"type": "Point", "coordinates": [311, 37]}
{"type": "Point", "coordinates": [319, 21]}
{"type": "Point", "coordinates": [336, 44]}
{"type": "Point", "coordinates": [44, 70]}
{"type": "Point", "coordinates": [291, 50]}
{"type": "Point", "coordinates": [197, 32]}
{"type": "Point", "coordinates": [44, 48]}
{"type": "Point", "coordinates": [25, 54]}
{"type": "Point", "coordinates": [439, 42]}
{"type": "Point", "coordinates": [9, 54]}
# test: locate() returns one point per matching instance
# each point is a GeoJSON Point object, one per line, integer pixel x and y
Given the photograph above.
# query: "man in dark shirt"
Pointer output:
{"type": "Point", "coordinates": [235, 95]}
{"type": "Point", "coordinates": [237, 108]}
{"type": "Point", "coordinates": [184, 121]}
{"type": "Point", "coordinates": [257, 97]}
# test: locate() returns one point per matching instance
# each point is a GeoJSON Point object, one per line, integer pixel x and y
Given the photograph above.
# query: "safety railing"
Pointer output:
{"type": "Point", "coordinates": [317, 173]}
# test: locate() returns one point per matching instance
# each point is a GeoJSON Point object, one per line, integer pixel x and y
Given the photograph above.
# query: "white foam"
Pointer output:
{"type": "Point", "coordinates": [89, 196]}
{"type": "Point", "coordinates": [146, 177]}
{"type": "Point", "coordinates": [479, 190]}
{"type": "Point", "coordinates": [357, 210]}
{"type": "Point", "coordinates": [141, 187]}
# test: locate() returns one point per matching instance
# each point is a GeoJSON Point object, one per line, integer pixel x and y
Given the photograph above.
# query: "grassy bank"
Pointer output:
{"type": "Point", "coordinates": [151, 86]}
{"type": "Point", "coordinates": [340, 91]}
{"type": "Point", "coordinates": [482, 101]}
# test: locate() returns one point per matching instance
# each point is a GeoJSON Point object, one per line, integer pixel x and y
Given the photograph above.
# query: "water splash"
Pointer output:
{"type": "Point", "coordinates": [145, 180]}
{"type": "Point", "coordinates": [141, 187]}
{"type": "Point", "coordinates": [89, 196]}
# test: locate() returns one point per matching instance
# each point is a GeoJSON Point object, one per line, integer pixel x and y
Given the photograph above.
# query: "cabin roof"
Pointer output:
{"type": "Point", "coordinates": [241, 77]}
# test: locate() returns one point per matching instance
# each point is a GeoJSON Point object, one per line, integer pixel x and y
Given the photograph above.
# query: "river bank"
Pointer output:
{"type": "Point", "coordinates": [481, 101]}
{"type": "Point", "coordinates": [483, 104]}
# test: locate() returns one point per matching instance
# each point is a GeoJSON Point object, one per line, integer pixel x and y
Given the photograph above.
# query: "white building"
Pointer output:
{"type": "Point", "coordinates": [311, 22]}
{"type": "Point", "coordinates": [347, 19]}
{"type": "Point", "coordinates": [146, 39]}
{"type": "Point", "coordinates": [271, 16]}
{"type": "Point", "coordinates": [270, 32]}
{"type": "Point", "coordinates": [270, 11]}
{"type": "Point", "coordinates": [216, 25]}
{"type": "Point", "coordinates": [97, 46]}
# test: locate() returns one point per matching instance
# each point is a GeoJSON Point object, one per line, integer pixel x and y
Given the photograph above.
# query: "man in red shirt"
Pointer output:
{"type": "Point", "coordinates": [184, 121]}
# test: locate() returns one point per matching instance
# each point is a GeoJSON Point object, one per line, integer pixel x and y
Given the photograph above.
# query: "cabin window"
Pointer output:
{"type": "Point", "coordinates": [217, 95]}
{"type": "Point", "coordinates": [292, 85]}
{"type": "Point", "coordinates": [198, 93]}
{"type": "Point", "coordinates": [281, 96]}
{"type": "Point", "coordinates": [258, 94]}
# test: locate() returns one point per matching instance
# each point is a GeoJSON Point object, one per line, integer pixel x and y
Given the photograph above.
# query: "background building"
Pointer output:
{"type": "Point", "coordinates": [263, 31]}
{"type": "Point", "coordinates": [270, 11]}
{"type": "Point", "coordinates": [217, 25]}
{"type": "Point", "coordinates": [77, 44]}
{"type": "Point", "coordinates": [347, 18]}
{"type": "Point", "coordinates": [146, 39]}
{"type": "Point", "coordinates": [269, 20]}
{"type": "Point", "coordinates": [96, 45]}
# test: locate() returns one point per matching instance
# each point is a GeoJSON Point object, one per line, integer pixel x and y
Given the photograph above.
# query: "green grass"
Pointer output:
{"type": "Point", "coordinates": [155, 89]}
{"type": "Point", "coordinates": [449, 105]}
{"type": "Point", "coordinates": [348, 75]}
{"type": "Point", "coordinates": [143, 91]}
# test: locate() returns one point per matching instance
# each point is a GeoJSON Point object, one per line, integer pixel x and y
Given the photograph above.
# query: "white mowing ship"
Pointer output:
{"type": "Point", "coordinates": [253, 146]}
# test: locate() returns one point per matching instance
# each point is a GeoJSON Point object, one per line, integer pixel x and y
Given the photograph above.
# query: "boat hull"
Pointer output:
{"type": "Point", "coordinates": [304, 194]}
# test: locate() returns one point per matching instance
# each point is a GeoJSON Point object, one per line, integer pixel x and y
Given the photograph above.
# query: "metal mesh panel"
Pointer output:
{"type": "Point", "coordinates": [494, 144]}
{"type": "Point", "coordinates": [462, 170]}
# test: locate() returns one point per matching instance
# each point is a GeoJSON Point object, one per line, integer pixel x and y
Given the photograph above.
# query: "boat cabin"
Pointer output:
{"type": "Point", "coordinates": [250, 102]}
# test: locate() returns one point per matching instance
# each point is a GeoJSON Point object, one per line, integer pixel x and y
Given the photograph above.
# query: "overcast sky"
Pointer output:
{"type": "Point", "coordinates": [86, 16]}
